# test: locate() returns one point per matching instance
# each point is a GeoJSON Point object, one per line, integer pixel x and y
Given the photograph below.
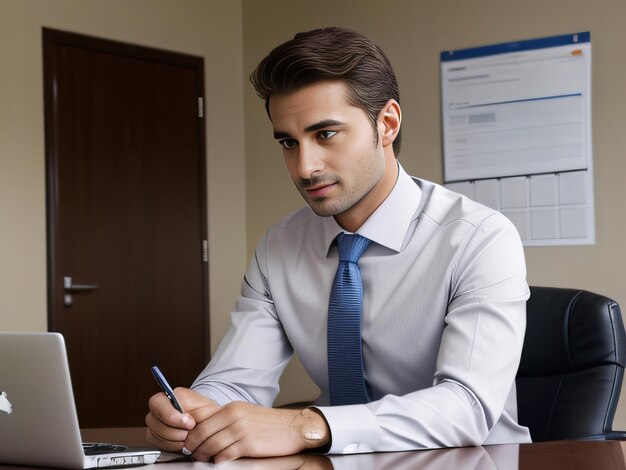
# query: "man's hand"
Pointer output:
{"type": "Point", "coordinates": [167, 428]}
{"type": "Point", "coordinates": [245, 430]}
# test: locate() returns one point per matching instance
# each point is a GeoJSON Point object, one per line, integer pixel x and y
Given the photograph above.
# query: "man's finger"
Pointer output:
{"type": "Point", "coordinates": [162, 410]}
{"type": "Point", "coordinates": [207, 435]}
{"type": "Point", "coordinates": [169, 446]}
{"type": "Point", "coordinates": [213, 445]}
{"type": "Point", "coordinates": [163, 431]}
{"type": "Point", "coordinates": [232, 452]}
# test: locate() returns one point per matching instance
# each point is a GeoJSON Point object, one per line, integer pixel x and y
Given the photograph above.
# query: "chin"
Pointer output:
{"type": "Point", "coordinates": [325, 210]}
{"type": "Point", "coordinates": [321, 212]}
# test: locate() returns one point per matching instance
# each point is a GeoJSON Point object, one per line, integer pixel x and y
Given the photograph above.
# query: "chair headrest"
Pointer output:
{"type": "Point", "coordinates": [569, 330]}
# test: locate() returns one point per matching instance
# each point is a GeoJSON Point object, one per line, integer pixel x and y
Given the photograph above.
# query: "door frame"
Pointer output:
{"type": "Point", "coordinates": [52, 37]}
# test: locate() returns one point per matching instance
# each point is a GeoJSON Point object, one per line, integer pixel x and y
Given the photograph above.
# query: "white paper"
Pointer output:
{"type": "Point", "coordinates": [543, 224]}
{"type": "Point", "coordinates": [486, 192]}
{"type": "Point", "coordinates": [518, 113]}
{"type": "Point", "coordinates": [573, 222]}
{"type": "Point", "coordinates": [572, 188]}
{"type": "Point", "coordinates": [543, 190]}
{"type": "Point", "coordinates": [513, 192]}
{"type": "Point", "coordinates": [517, 134]}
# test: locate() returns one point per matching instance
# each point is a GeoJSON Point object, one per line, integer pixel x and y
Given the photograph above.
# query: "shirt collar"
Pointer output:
{"type": "Point", "coordinates": [388, 225]}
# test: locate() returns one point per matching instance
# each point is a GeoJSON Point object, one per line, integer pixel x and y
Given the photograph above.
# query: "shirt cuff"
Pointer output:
{"type": "Point", "coordinates": [353, 428]}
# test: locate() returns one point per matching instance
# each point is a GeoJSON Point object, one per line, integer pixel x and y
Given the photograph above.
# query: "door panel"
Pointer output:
{"type": "Point", "coordinates": [126, 212]}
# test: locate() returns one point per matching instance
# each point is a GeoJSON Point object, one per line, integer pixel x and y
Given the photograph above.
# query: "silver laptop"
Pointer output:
{"type": "Point", "coordinates": [38, 421]}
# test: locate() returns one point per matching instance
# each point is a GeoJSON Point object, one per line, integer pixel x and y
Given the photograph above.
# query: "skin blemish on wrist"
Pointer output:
{"type": "Point", "coordinates": [309, 429]}
{"type": "Point", "coordinates": [313, 435]}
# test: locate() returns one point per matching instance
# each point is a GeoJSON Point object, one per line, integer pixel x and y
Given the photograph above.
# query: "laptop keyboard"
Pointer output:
{"type": "Point", "coordinates": [95, 448]}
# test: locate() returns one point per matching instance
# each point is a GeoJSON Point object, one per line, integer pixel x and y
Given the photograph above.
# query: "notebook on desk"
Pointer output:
{"type": "Point", "coordinates": [38, 420]}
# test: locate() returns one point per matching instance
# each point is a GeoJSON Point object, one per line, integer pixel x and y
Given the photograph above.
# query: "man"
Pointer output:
{"type": "Point", "coordinates": [437, 287]}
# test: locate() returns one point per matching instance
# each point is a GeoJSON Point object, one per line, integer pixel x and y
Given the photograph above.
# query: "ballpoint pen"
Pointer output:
{"type": "Point", "coordinates": [169, 393]}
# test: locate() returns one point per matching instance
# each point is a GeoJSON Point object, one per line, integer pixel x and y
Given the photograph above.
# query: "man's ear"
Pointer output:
{"type": "Point", "coordinates": [389, 120]}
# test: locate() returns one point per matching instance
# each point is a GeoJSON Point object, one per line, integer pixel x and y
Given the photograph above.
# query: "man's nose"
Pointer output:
{"type": "Point", "coordinates": [310, 161]}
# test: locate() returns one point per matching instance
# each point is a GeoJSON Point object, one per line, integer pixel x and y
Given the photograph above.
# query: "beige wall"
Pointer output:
{"type": "Point", "coordinates": [246, 195]}
{"type": "Point", "coordinates": [413, 33]}
{"type": "Point", "coordinates": [207, 28]}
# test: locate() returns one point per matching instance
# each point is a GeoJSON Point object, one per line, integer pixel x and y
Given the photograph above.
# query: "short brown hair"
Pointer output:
{"type": "Point", "coordinates": [331, 54]}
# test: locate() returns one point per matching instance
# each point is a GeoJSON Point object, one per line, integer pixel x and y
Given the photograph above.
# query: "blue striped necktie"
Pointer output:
{"type": "Point", "coordinates": [345, 355]}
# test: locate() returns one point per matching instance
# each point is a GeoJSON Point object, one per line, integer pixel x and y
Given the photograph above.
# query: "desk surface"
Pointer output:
{"type": "Point", "coordinates": [557, 455]}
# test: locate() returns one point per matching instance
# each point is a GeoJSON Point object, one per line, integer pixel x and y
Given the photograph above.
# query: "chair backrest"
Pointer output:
{"type": "Point", "coordinates": [572, 365]}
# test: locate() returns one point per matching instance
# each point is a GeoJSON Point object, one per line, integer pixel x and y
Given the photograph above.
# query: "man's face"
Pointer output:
{"type": "Point", "coordinates": [329, 148]}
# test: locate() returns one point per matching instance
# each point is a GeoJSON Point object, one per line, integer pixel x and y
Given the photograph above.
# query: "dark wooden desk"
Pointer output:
{"type": "Point", "coordinates": [557, 455]}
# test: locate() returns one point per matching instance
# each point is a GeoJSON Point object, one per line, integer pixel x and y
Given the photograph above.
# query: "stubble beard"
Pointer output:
{"type": "Point", "coordinates": [325, 206]}
{"type": "Point", "coordinates": [322, 205]}
{"type": "Point", "coordinates": [348, 196]}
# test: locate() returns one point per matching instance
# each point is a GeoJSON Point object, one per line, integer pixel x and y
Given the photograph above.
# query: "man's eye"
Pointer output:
{"type": "Point", "coordinates": [325, 135]}
{"type": "Point", "coordinates": [287, 143]}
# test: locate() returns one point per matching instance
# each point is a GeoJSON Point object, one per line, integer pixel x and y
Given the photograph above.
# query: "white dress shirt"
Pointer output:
{"type": "Point", "coordinates": [443, 321]}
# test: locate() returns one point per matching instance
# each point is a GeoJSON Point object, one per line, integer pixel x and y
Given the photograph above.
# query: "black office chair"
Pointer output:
{"type": "Point", "coordinates": [572, 366]}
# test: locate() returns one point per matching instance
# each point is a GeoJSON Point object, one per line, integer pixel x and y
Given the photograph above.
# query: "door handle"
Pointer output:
{"type": "Point", "coordinates": [70, 288]}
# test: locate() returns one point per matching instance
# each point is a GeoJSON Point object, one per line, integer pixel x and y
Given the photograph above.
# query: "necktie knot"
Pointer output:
{"type": "Point", "coordinates": [351, 247]}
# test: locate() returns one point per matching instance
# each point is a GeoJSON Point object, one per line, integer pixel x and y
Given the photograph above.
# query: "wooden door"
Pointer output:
{"type": "Point", "coordinates": [126, 211]}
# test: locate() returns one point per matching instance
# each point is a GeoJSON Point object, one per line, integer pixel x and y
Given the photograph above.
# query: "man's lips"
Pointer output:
{"type": "Point", "coordinates": [320, 189]}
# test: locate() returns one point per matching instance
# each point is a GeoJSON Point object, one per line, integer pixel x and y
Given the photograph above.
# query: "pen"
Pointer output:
{"type": "Point", "coordinates": [169, 393]}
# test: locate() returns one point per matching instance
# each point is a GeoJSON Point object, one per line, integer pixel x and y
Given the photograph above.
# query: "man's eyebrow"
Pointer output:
{"type": "Point", "coordinates": [322, 124]}
{"type": "Point", "coordinates": [312, 128]}
{"type": "Point", "coordinates": [281, 135]}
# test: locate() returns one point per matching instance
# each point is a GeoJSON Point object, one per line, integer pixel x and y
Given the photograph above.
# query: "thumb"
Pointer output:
{"type": "Point", "coordinates": [197, 405]}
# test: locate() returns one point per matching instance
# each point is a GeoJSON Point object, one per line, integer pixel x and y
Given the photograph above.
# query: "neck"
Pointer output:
{"type": "Point", "coordinates": [352, 219]}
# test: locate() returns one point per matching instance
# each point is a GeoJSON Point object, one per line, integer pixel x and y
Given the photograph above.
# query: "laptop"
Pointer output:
{"type": "Point", "coordinates": [38, 420]}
